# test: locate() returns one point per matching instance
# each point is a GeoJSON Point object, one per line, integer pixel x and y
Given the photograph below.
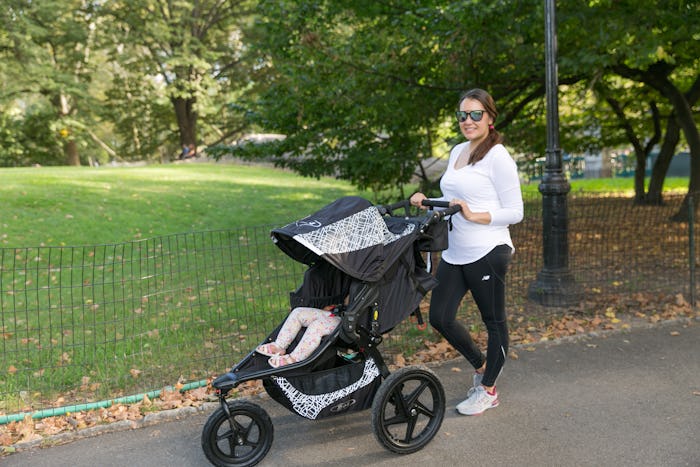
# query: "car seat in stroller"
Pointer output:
{"type": "Point", "coordinates": [372, 257]}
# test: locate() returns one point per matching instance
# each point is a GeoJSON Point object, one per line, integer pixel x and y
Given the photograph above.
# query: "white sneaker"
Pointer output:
{"type": "Point", "coordinates": [476, 382]}
{"type": "Point", "coordinates": [478, 402]}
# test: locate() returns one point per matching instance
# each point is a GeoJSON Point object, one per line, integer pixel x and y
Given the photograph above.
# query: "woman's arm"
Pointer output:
{"type": "Point", "coordinates": [507, 183]}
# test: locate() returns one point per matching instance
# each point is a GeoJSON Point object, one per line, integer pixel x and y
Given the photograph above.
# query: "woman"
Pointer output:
{"type": "Point", "coordinates": [482, 178]}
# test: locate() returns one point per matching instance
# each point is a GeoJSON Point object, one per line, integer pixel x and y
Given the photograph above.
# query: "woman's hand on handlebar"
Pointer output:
{"type": "Point", "coordinates": [448, 208]}
{"type": "Point", "coordinates": [466, 212]}
{"type": "Point", "coordinates": [417, 199]}
{"type": "Point", "coordinates": [471, 216]}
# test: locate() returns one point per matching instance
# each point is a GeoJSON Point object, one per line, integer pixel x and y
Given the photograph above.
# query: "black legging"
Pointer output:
{"type": "Point", "coordinates": [485, 279]}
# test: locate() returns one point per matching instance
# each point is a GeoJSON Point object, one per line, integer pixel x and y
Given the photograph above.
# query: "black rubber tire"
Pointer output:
{"type": "Point", "coordinates": [408, 409]}
{"type": "Point", "coordinates": [242, 440]}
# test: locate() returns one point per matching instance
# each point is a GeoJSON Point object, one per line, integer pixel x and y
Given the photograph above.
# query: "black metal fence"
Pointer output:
{"type": "Point", "coordinates": [616, 249]}
{"type": "Point", "coordinates": [89, 323]}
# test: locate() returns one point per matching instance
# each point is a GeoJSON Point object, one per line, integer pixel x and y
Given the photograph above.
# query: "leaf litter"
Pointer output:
{"type": "Point", "coordinates": [589, 317]}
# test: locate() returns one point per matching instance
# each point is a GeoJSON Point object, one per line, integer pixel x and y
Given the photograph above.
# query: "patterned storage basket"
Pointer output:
{"type": "Point", "coordinates": [346, 388]}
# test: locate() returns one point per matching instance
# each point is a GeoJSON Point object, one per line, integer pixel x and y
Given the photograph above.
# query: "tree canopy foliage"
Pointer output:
{"type": "Point", "coordinates": [362, 90]}
{"type": "Point", "coordinates": [123, 79]}
{"type": "Point", "coordinates": [366, 89]}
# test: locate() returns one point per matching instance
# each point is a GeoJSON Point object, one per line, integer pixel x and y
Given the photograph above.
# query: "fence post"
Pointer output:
{"type": "Point", "coordinates": [691, 248]}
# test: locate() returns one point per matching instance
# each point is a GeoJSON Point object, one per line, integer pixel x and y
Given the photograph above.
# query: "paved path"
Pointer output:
{"type": "Point", "coordinates": [622, 399]}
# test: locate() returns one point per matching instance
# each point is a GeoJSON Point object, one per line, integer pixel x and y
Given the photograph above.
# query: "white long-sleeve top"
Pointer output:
{"type": "Point", "coordinates": [491, 185]}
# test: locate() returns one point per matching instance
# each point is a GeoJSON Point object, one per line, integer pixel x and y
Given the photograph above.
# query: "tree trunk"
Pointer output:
{"type": "Point", "coordinates": [663, 162]}
{"type": "Point", "coordinates": [640, 170]}
{"type": "Point", "coordinates": [668, 149]}
{"type": "Point", "coordinates": [640, 175]}
{"type": "Point", "coordinates": [687, 124]}
{"type": "Point", "coordinates": [186, 120]}
{"type": "Point", "coordinates": [641, 152]}
{"type": "Point", "coordinates": [62, 104]}
{"type": "Point", "coordinates": [70, 149]}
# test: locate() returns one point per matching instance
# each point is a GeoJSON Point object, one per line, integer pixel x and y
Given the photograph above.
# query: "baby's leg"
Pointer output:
{"type": "Point", "coordinates": [323, 324]}
{"type": "Point", "coordinates": [291, 327]}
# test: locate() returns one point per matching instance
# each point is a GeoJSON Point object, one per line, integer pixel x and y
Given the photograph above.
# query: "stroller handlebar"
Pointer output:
{"type": "Point", "coordinates": [389, 208]}
{"type": "Point", "coordinates": [435, 204]}
{"type": "Point", "coordinates": [438, 215]}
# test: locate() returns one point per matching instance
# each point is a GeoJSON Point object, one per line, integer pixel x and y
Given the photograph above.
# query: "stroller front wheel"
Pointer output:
{"type": "Point", "coordinates": [408, 409]}
{"type": "Point", "coordinates": [243, 439]}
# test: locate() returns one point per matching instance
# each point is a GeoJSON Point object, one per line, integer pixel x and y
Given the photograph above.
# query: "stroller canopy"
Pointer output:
{"type": "Point", "coordinates": [353, 236]}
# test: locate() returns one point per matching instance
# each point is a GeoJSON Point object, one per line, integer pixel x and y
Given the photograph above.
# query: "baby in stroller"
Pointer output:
{"type": "Point", "coordinates": [318, 323]}
{"type": "Point", "coordinates": [322, 284]}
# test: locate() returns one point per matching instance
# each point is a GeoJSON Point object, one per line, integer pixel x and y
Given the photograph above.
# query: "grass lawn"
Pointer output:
{"type": "Point", "coordinates": [58, 206]}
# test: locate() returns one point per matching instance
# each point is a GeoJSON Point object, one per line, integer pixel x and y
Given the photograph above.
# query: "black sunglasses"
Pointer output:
{"type": "Point", "coordinates": [476, 115]}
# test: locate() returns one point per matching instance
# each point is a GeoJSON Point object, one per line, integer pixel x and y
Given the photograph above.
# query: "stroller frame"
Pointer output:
{"type": "Point", "coordinates": [407, 405]}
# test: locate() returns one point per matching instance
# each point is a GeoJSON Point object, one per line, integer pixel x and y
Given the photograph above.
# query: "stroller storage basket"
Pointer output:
{"type": "Point", "coordinates": [349, 387]}
{"type": "Point", "coordinates": [435, 237]}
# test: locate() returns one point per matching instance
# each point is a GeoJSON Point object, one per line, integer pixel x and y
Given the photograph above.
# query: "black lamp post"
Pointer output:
{"type": "Point", "coordinates": [554, 285]}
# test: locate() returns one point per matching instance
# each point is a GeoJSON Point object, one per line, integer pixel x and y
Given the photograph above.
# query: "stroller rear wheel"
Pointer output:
{"type": "Point", "coordinates": [408, 409]}
{"type": "Point", "coordinates": [243, 439]}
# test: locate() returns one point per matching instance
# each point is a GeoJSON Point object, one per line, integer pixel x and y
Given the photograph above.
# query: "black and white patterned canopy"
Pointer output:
{"type": "Point", "coordinates": [351, 234]}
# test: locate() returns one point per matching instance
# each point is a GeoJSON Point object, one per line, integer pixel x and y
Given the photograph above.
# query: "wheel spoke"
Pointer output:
{"type": "Point", "coordinates": [413, 397]}
{"type": "Point", "coordinates": [245, 434]}
{"type": "Point", "coordinates": [410, 426]}
{"type": "Point", "coordinates": [408, 407]}
{"type": "Point", "coordinates": [396, 420]}
{"type": "Point", "coordinates": [401, 409]}
{"type": "Point", "coordinates": [421, 408]}
{"type": "Point", "coordinates": [230, 434]}
{"type": "Point", "coordinates": [232, 444]}
{"type": "Point", "coordinates": [399, 401]}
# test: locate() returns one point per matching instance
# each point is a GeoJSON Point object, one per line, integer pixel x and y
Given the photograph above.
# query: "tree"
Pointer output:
{"type": "Point", "coordinates": [366, 90]}
{"type": "Point", "coordinates": [657, 77]}
{"type": "Point", "coordinates": [636, 113]}
{"type": "Point", "coordinates": [47, 50]}
{"type": "Point", "coordinates": [667, 150]}
{"type": "Point", "coordinates": [190, 52]}
{"type": "Point", "coordinates": [362, 90]}
{"type": "Point", "coordinates": [649, 42]}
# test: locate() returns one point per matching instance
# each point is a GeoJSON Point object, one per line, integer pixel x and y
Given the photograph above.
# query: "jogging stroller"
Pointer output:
{"type": "Point", "coordinates": [373, 257]}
